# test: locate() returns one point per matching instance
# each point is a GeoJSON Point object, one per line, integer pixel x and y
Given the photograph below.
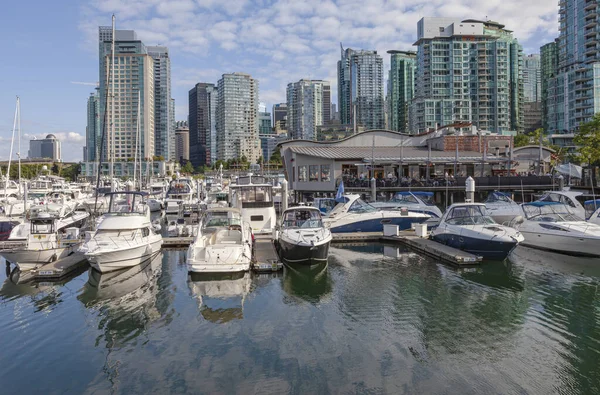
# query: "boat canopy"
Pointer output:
{"type": "Point", "coordinates": [549, 212]}
{"type": "Point", "coordinates": [416, 193]}
{"type": "Point", "coordinates": [497, 196]}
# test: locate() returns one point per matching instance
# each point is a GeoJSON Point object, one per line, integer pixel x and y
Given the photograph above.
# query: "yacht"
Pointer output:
{"type": "Point", "coordinates": [418, 202]}
{"type": "Point", "coordinates": [592, 211]}
{"type": "Point", "coordinates": [154, 205]}
{"type": "Point", "coordinates": [125, 236]}
{"type": "Point", "coordinates": [354, 215]}
{"type": "Point", "coordinates": [503, 209]}
{"type": "Point", "coordinates": [186, 224]}
{"type": "Point", "coordinates": [223, 244]}
{"type": "Point", "coordinates": [568, 198]}
{"type": "Point", "coordinates": [9, 190]}
{"type": "Point", "coordinates": [301, 236]}
{"type": "Point", "coordinates": [552, 226]}
{"type": "Point", "coordinates": [180, 191]}
{"type": "Point", "coordinates": [98, 203]}
{"type": "Point", "coordinates": [468, 227]}
{"type": "Point", "coordinates": [254, 197]}
{"type": "Point", "coordinates": [51, 232]}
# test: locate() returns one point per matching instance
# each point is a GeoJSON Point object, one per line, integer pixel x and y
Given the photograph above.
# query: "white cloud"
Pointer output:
{"type": "Point", "coordinates": [279, 41]}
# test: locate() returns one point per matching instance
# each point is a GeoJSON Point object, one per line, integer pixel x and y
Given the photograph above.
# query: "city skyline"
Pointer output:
{"type": "Point", "coordinates": [295, 41]}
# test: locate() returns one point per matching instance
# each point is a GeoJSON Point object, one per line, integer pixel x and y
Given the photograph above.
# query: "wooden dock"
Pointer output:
{"type": "Point", "coordinates": [177, 242]}
{"type": "Point", "coordinates": [265, 256]}
{"type": "Point", "coordinates": [56, 270]}
{"type": "Point", "coordinates": [428, 247]}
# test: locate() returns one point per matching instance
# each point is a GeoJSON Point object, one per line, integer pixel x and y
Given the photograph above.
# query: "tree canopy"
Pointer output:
{"type": "Point", "coordinates": [187, 168]}
{"type": "Point", "coordinates": [588, 141]}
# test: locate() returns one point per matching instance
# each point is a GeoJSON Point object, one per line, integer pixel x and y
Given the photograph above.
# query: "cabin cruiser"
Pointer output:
{"type": "Point", "coordinates": [301, 236]}
{"type": "Point", "coordinates": [552, 226]}
{"type": "Point", "coordinates": [468, 227]}
{"type": "Point", "coordinates": [354, 215]}
{"type": "Point", "coordinates": [98, 203]}
{"type": "Point", "coordinates": [502, 208]}
{"type": "Point", "coordinates": [125, 236]}
{"type": "Point", "coordinates": [592, 211]}
{"type": "Point", "coordinates": [186, 224]}
{"type": "Point", "coordinates": [325, 205]}
{"type": "Point", "coordinates": [418, 202]}
{"type": "Point", "coordinates": [154, 205]}
{"type": "Point", "coordinates": [49, 234]}
{"type": "Point", "coordinates": [223, 244]}
{"type": "Point", "coordinates": [180, 191]}
{"type": "Point", "coordinates": [568, 198]}
{"type": "Point", "coordinates": [254, 197]}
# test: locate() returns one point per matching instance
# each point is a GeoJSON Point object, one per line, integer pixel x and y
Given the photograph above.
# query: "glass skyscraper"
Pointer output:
{"type": "Point", "coordinates": [164, 133]}
{"type": "Point", "coordinates": [202, 124]}
{"type": "Point", "coordinates": [401, 88]}
{"type": "Point", "coordinates": [308, 106]}
{"type": "Point", "coordinates": [93, 133]}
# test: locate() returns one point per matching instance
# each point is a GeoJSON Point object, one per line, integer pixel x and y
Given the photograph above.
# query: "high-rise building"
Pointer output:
{"type": "Point", "coordinates": [279, 112]}
{"type": "Point", "coordinates": [264, 123]}
{"type": "Point", "coordinates": [163, 121]}
{"type": "Point", "coordinates": [401, 88]}
{"type": "Point", "coordinates": [360, 88]}
{"type": "Point", "coordinates": [549, 70]}
{"type": "Point", "coordinates": [237, 117]}
{"type": "Point", "coordinates": [203, 124]}
{"type": "Point", "coordinates": [172, 153]}
{"type": "Point", "coordinates": [532, 78]}
{"type": "Point", "coordinates": [93, 133]}
{"type": "Point", "coordinates": [182, 142]}
{"type": "Point", "coordinates": [467, 72]}
{"type": "Point", "coordinates": [133, 77]}
{"type": "Point", "coordinates": [573, 97]}
{"type": "Point", "coordinates": [335, 115]}
{"type": "Point", "coordinates": [309, 105]}
{"type": "Point", "coordinates": [48, 148]}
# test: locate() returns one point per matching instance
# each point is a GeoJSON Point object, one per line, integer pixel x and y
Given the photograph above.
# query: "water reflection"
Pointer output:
{"type": "Point", "coordinates": [311, 283]}
{"type": "Point", "coordinates": [220, 297]}
{"type": "Point", "coordinates": [125, 299]}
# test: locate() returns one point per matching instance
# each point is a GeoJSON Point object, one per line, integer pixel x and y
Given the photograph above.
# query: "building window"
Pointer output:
{"type": "Point", "coordinates": [313, 173]}
{"type": "Point", "coordinates": [325, 173]}
{"type": "Point", "coordinates": [302, 174]}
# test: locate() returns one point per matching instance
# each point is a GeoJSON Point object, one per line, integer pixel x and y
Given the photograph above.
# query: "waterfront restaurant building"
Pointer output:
{"type": "Point", "coordinates": [313, 166]}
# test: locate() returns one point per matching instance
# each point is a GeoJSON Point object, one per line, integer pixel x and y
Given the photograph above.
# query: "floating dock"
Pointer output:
{"type": "Point", "coordinates": [265, 256]}
{"type": "Point", "coordinates": [425, 246]}
{"type": "Point", "coordinates": [177, 242]}
{"type": "Point", "coordinates": [56, 270]}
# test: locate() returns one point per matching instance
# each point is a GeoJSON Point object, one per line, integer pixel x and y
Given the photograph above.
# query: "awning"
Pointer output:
{"type": "Point", "coordinates": [569, 169]}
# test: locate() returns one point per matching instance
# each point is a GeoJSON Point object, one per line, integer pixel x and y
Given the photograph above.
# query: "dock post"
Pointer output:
{"type": "Point", "coordinates": [561, 183]}
{"type": "Point", "coordinates": [373, 189]}
{"type": "Point", "coordinates": [470, 189]}
{"type": "Point", "coordinates": [284, 195]}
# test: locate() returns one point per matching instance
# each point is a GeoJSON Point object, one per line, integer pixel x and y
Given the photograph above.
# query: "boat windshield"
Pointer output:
{"type": "Point", "coordinates": [557, 197]}
{"type": "Point", "coordinates": [591, 206]}
{"type": "Point", "coordinates": [252, 194]}
{"type": "Point", "coordinates": [553, 212]}
{"type": "Point", "coordinates": [359, 206]}
{"type": "Point", "coordinates": [469, 215]}
{"type": "Point", "coordinates": [303, 219]}
{"type": "Point", "coordinates": [498, 197]}
{"type": "Point", "coordinates": [414, 198]}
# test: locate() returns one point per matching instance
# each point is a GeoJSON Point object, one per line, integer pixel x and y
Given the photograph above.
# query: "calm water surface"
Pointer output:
{"type": "Point", "coordinates": [375, 320]}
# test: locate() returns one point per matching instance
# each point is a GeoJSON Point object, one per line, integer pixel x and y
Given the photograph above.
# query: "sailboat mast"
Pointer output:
{"type": "Point", "coordinates": [19, 126]}
{"type": "Point", "coordinates": [137, 136]}
{"type": "Point", "coordinates": [111, 139]}
{"type": "Point", "coordinates": [12, 143]}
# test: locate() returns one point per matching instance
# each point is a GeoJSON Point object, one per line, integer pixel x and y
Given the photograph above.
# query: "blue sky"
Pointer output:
{"type": "Point", "coordinates": [50, 47]}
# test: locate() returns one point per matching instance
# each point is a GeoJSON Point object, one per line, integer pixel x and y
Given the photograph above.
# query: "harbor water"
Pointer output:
{"type": "Point", "coordinates": [375, 319]}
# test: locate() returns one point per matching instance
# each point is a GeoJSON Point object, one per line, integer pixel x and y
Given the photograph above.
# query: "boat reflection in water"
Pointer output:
{"type": "Point", "coordinates": [220, 296]}
{"type": "Point", "coordinates": [311, 283]}
{"type": "Point", "coordinates": [126, 298]}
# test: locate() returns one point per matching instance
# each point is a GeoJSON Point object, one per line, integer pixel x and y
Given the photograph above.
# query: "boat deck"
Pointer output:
{"type": "Point", "coordinates": [176, 242]}
{"type": "Point", "coordinates": [428, 247]}
{"type": "Point", "coordinates": [265, 256]}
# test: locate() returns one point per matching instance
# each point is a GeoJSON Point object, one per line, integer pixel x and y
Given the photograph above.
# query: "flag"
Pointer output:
{"type": "Point", "coordinates": [339, 196]}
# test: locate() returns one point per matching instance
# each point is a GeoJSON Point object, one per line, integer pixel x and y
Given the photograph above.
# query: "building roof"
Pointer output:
{"type": "Point", "coordinates": [51, 136]}
{"type": "Point", "coordinates": [380, 154]}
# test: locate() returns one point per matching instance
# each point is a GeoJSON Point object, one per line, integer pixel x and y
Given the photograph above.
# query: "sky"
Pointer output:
{"type": "Point", "coordinates": [50, 48]}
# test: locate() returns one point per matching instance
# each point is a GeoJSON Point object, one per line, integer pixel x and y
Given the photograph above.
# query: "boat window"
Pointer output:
{"type": "Point", "coordinates": [469, 215]}
{"type": "Point", "coordinates": [256, 194]}
{"type": "Point", "coordinates": [498, 197]}
{"type": "Point", "coordinates": [359, 206]}
{"type": "Point", "coordinates": [257, 218]}
{"type": "Point", "coordinates": [145, 232]}
{"type": "Point", "coordinates": [408, 199]}
{"type": "Point", "coordinates": [549, 213]}
{"type": "Point", "coordinates": [305, 219]}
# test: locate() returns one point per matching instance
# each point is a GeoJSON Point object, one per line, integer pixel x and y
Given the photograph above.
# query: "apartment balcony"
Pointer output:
{"type": "Point", "coordinates": [589, 23]}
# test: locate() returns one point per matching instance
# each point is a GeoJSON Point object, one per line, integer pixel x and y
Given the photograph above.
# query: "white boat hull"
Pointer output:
{"type": "Point", "coordinates": [574, 245]}
{"type": "Point", "coordinates": [31, 259]}
{"type": "Point", "coordinates": [106, 260]}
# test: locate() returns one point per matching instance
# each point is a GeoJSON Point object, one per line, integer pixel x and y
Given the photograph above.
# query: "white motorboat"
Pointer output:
{"type": "Point", "coordinates": [154, 205]}
{"type": "Point", "coordinates": [415, 201]}
{"type": "Point", "coordinates": [592, 211]}
{"type": "Point", "coordinates": [254, 197]}
{"type": "Point", "coordinates": [503, 209]}
{"type": "Point", "coordinates": [125, 236]}
{"type": "Point", "coordinates": [354, 215]}
{"type": "Point", "coordinates": [223, 244]}
{"type": "Point", "coordinates": [468, 227]}
{"type": "Point", "coordinates": [301, 236]}
{"type": "Point", "coordinates": [552, 226]}
{"type": "Point", "coordinates": [568, 198]}
{"type": "Point", "coordinates": [9, 190]}
{"type": "Point", "coordinates": [186, 224]}
{"type": "Point", "coordinates": [48, 235]}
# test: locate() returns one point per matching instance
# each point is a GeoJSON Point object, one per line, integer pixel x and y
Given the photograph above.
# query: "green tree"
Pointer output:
{"type": "Point", "coordinates": [521, 140]}
{"type": "Point", "coordinates": [158, 158]}
{"type": "Point", "coordinates": [588, 141]}
{"type": "Point", "coordinates": [244, 159]}
{"type": "Point", "coordinates": [275, 157]}
{"type": "Point", "coordinates": [187, 168]}
{"type": "Point", "coordinates": [260, 160]}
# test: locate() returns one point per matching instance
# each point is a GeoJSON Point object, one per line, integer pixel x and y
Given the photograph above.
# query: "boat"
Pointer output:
{"type": "Point", "coordinates": [415, 201]}
{"type": "Point", "coordinates": [301, 236]}
{"type": "Point", "coordinates": [592, 211]}
{"type": "Point", "coordinates": [223, 244]}
{"type": "Point", "coordinates": [124, 236]}
{"type": "Point", "coordinates": [49, 234]}
{"type": "Point", "coordinates": [568, 198]}
{"type": "Point", "coordinates": [154, 205]}
{"type": "Point", "coordinates": [325, 205]}
{"type": "Point", "coordinates": [352, 214]}
{"type": "Point", "coordinates": [553, 226]}
{"type": "Point", "coordinates": [468, 227]}
{"type": "Point", "coordinates": [254, 197]}
{"type": "Point", "coordinates": [503, 209]}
